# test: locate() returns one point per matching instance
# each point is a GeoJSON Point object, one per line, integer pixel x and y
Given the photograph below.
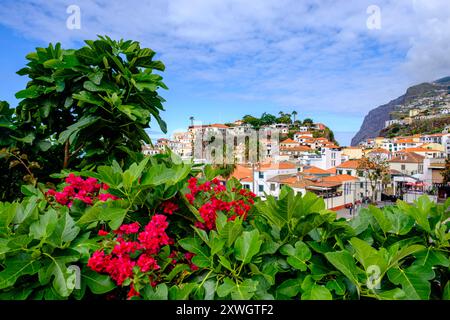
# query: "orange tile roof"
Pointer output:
{"type": "Point", "coordinates": [277, 166]}
{"type": "Point", "coordinates": [296, 148]}
{"type": "Point", "coordinates": [218, 125]}
{"type": "Point", "coordinates": [315, 170]}
{"type": "Point", "coordinates": [332, 170]}
{"type": "Point", "coordinates": [379, 150]}
{"type": "Point", "coordinates": [350, 164]}
{"type": "Point", "coordinates": [289, 140]}
{"type": "Point", "coordinates": [339, 178]}
{"type": "Point", "coordinates": [417, 149]}
{"type": "Point", "coordinates": [242, 173]}
{"type": "Point", "coordinates": [405, 141]}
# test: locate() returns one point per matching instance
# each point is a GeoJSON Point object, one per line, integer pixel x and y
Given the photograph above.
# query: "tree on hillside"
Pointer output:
{"type": "Point", "coordinates": [376, 170]}
{"type": "Point", "coordinates": [251, 120]}
{"type": "Point", "coordinates": [308, 122]}
{"type": "Point", "coordinates": [268, 119]}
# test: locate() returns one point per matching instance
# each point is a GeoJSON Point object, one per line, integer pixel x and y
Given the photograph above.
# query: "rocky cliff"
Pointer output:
{"type": "Point", "coordinates": [374, 121]}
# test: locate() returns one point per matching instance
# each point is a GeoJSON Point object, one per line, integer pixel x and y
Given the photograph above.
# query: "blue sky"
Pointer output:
{"type": "Point", "coordinates": [228, 58]}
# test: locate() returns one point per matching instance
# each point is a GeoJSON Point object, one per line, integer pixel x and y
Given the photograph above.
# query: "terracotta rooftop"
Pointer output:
{"type": "Point", "coordinates": [315, 170]}
{"type": "Point", "coordinates": [277, 166]}
{"type": "Point", "coordinates": [289, 140]}
{"type": "Point", "coordinates": [408, 157]}
{"type": "Point", "coordinates": [350, 164]}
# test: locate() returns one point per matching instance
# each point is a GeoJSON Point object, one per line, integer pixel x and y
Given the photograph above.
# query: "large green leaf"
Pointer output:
{"type": "Point", "coordinates": [244, 290]}
{"type": "Point", "coordinates": [202, 256]}
{"type": "Point", "coordinates": [45, 226]}
{"type": "Point", "coordinates": [98, 283]}
{"type": "Point", "coordinates": [343, 261]}
{"type": "Point", "coordinates": [247, 245]}
{"type": "Point", "coordinates": [317, 292]}
{"type": "Point", "coordinates": [17, 266]}
{"type": "Point", "coordinates": [65, 231]}
{"type": "Point", "coordinates": [369, 256]}
{"type": "Point", "coordinates": [414, 281]}
{"type": "Point", "coordinates": [160, 292]}
{"type": "Point", "coordinates": [297, 256]}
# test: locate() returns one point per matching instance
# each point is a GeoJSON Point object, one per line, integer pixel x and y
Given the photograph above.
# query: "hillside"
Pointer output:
{"type": "Point", "coordinates": [423, 97]}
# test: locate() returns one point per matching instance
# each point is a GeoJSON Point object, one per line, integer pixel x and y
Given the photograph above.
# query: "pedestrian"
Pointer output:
{"type": "Point", "coordinates": [350, 207]}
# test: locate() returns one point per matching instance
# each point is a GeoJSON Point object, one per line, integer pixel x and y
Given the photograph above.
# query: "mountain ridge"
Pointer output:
{"type": "Point", "coordinates": [375, 119]}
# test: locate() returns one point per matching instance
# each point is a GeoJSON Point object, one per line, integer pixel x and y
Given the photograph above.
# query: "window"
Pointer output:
{"type": "Point", "coordinates": [420, 168]}
{"type": "Point", "coordinates": [339, 171]}
{"type": "Point", "coordinates": [403, 167]}
{"type": "Point", "coordinates": [333, 163]}
{"type": "Point", "coordinates": [333, 155]}
{"type": "Point", "coordinates": [261, 175]}
{"type": "Point", "coordinates": [261, 188]}
{"type": "Point", "coordinates": [360, 174]}
{"type": "Point", "coordinates": [349, 172]}
{"type": "Point", "coordinates": [361, 185]}
{"type": "Point", "coordinates": [272, 187]}
{"type": "Point", "coordinates": [246, 186]}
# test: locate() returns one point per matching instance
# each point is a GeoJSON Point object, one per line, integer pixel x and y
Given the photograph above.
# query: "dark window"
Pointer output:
{"type": "Point", "coordinates": [261, 175]}
{"type": "Point", "coordinates": [272, 187]}
{"type": "Point", "coordinates": [261, 188]}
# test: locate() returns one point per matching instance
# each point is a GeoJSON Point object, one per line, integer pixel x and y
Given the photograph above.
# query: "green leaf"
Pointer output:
{"type": "Point", "coordinates": [247, 246]}
{"type": "Point", "coordinates": [289, 288]}
{"type": "Point", "coordinates": [45, 226]}
{"type": "Point", "coordinates": [244, 290]}
{"type": "Point", "coordinates": [230, 230]}
{"type": "Point", "coordinates": [160, 292]}
{"type": "Point", "coordinates": [414, 281]}
{"type": "Point", "coordinates": [17, 266]}
{"type": "Point", "coordinates": [337, 285]}
{"type": "Point", "coordinates": [394, 294]}
{"type": "Point", "coordinates": [182, 291]}
{"type": "Point", "coordinates": [446, 294]}
{"type": "Point", "coordinates": [317, 292]}
{"type": "Point", "coordinates": [72, 130]}
{"type": "Point", "coordinates": [202, 256]}
{"type": "Point", "coordinates": [298, 255]}
{"type": "Point", "coordinates": [29, 93]}
{"type": "Point", "coordinates": [381, 219]}
{"type": "Point", "coordinates": [369, 256]}
{"type": "Point", "coordinates": [343, 261]}
{"type": "Point", "coordinates": [419, 213]}
{"type": "Point", "coordinates": [65, 231]}
{"type": "Point", "coordinates": [97, 283]}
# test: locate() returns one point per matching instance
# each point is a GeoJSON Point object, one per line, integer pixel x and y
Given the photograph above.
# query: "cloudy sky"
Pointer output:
{"type": "Point", "coordinates": [228, 58]}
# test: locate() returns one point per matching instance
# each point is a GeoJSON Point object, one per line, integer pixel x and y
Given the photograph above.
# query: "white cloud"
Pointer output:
{"type": "Point", "coordinates": [317, 55]}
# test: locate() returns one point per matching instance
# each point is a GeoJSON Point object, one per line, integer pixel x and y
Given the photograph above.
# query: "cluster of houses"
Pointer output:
{"type": "Point", "coordinates": [421, 109]}
{"type": "Point", "coordinates": [307, 163]}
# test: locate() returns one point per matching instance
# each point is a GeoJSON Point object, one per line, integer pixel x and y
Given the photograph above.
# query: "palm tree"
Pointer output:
{"type": "Point", "coordinates": [191, 118]}
{"type": "Point", "coordinates": [294, 114]}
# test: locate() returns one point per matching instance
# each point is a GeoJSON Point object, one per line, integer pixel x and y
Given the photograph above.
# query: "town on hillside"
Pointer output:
{"type": "Point", "coordinates": [304, 158]}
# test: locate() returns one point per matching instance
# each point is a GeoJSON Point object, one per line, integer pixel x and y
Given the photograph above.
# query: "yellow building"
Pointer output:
{"type": "Point", "coordinates": [353, 152]}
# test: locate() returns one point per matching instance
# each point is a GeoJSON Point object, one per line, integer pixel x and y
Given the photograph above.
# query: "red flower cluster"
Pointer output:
{"type": "Point", "coordinates": [169, 207]}
{"type": "Point", "coordinates": [87, 191]}
{"type": "Point", "coordinates": [131, 248]}
{"type": "Point", "coordinates": [213, 198]}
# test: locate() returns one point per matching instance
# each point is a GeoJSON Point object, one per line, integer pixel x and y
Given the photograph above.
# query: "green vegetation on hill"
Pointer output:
{"type": "Point", "coordinates": [428, 126]}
